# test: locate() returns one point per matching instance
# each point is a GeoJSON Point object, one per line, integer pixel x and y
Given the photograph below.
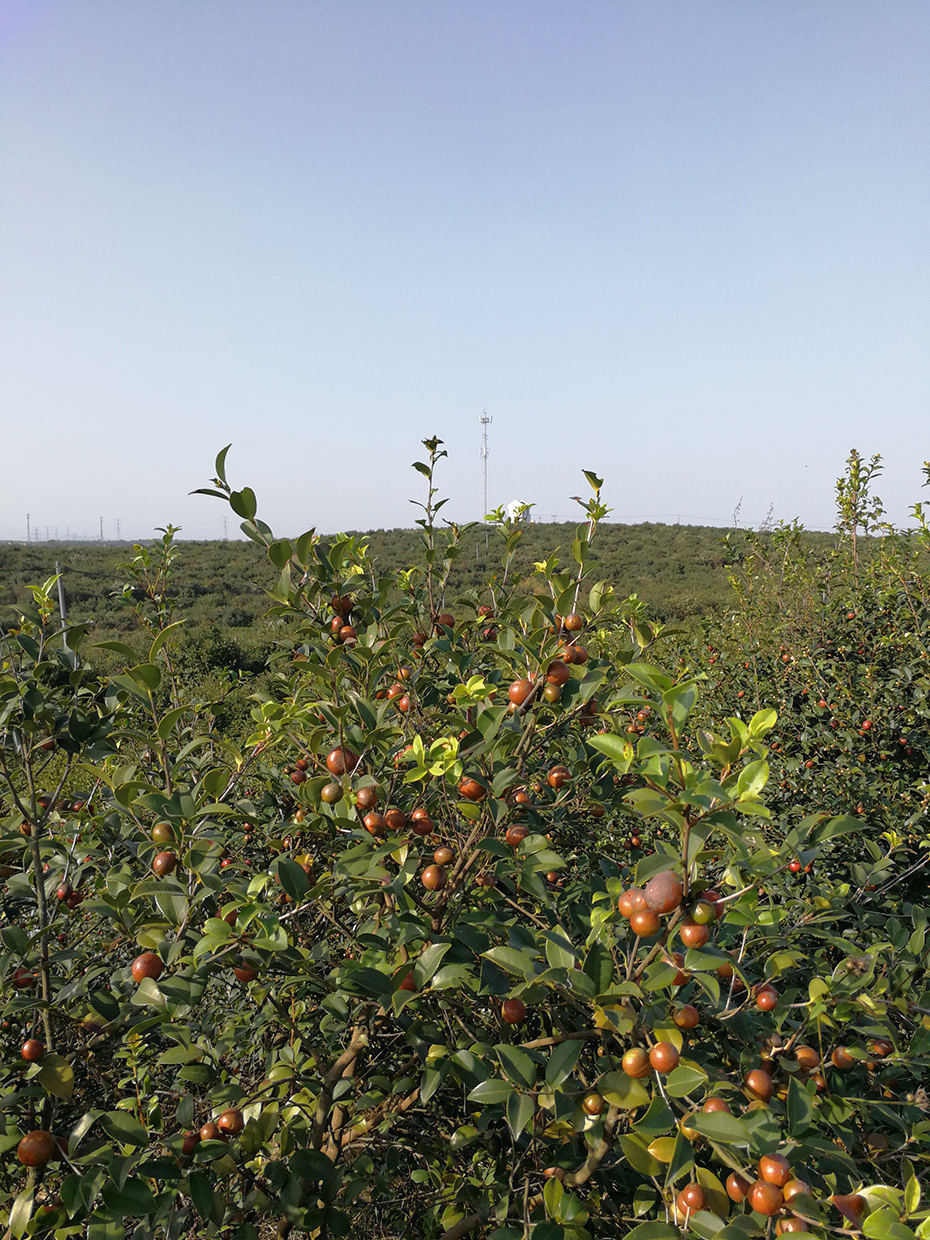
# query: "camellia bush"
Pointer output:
{"type": "Point", "coordinates": [385, 962]}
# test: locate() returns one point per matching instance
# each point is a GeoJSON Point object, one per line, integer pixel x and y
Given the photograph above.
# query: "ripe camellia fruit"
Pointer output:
{"type": "Point", "coordinates": [592, 1104]}
{"type": "Point", "coordinates": [471, 789]}
{"type": "Point", "coordinates": [841, 1059]}
{"type": "Point", "coordinates": [766, 998]}
{"type": "Point", "coordinates": [36, 1148]}
{"type": "Point", "coordinates": [663, 892]}
{"type": "Point", "coordinates": [765, 1198]}
{"type": "Point", "coordinates": [693, 934]}
{"type": "Point", "coordinates": [340, 760]}
{"type": "Point", "coordinates": [663, 1057]}
{"type": "Point", "coordinates": [635, 1063]}
{"type": "Point", "coordinates": [692, 1197]}
{"type": "Point", "coordinates": [645, 922]}
{"type": "Point", "coordinates": [513, 1011]}
{"type": "Point", "coordinates": [737, 1186]}
{"type": "Point", "coordinates": [164, 863]}
{"type": "Point", "coordinates": [758, 1082]}
{"type": "Point", "coordinates": [32, 1049]}
{"type": "Point", "coordinates": [433, 877]}
{"type": "Point", "coordinates": [687, 1016]}
{"type": "Point", "coordinates": [516, 834]}
{"type": "Point", "coordinates": [775, 1169]}
{"type": "Point", "coordinates": [519, 691]}
{"type": "Point", "coordinates": [443, 855]}
{"type": "Point", "coordinates": [633, 900]}
{"type": "Point", "coordinates": [231, 1122]}
{"type": "Point", "coordinates": [147, 965]}
{"type": "Point", "coordinates": [558, 776]}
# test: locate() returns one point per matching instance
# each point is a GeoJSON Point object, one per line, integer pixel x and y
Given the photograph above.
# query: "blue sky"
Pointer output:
{"type": "Point", "coordinates": [685, 245]}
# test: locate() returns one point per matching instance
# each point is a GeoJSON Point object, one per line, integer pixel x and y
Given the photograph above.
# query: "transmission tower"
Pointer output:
{"type": "Point", "coordinates": [485, 423]}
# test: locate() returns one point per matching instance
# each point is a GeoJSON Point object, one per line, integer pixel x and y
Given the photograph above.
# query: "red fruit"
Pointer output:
{"type": "Point", "coordinates": [375, 823]}
{"type": "Point", "coordinates": [516, 834]}
{"type": "Point", "coordinates": [231, 1122]}
{"type": "Point", "coordinates": [692, 1197]}
{"type": "Point", "coordinates": [245, 972]}
{"type": "Point", "coordinates": [558, 776]}
{"type": "Point", "coordinates": [687, 1016]}
{"type": "Point", "coordinates": [433, 877]}
{"type": "Point", "coordinates": [445, 620]}
{"type": "Point", "coordinates": [635, 1063]}
{"type": "Point", "coordinates": [775, 1169]}
{"type": "Point", "coordinates": [737, 1186]}
{"type": "Point", "coordinates": [32, 1049]}
{"type": "Point", "coordinates": [395, 818]}
{"type": "Point", "coordinates": [190, 1143]}
{"type": "Point", "coordinates": [758, 1082]}
{"type": "Point", "coordinates": [765, 1198]}
{"type": "Point", "coordinates": [36, 1148]}
{"type": "Point", "coordinates": [513, 1011]}
{"type": "Point", "coordinates": [471, 789]}
{"type": "Point", "coordinates": [766, 998]}
{"type": "Point", "coordinates": [645, 923]}
{"type": "Point", "coordinates": [851, 1205]}
{"type": "Point", "coordinates": [63, 891]}
{"type": "Point", "coordinates": [164, 863]}
{"type": "Point", "coordinates": [519, 691]}
{"type": "Point", "coordinates": [340, 760]}
{"type": "Point", "coordinates": [573, 623]}
{"type": "Point", "coordinates": [22, 979]}
{"type": "Point", "coordinates": [663, 1057]}
{"type": "Point", "coordinates": [210, 1132]}
{"type": "Point", "coordinates": [663, 892]}
{"type": "Point", "coordinates": [715, 1105]}
{"type": "Point", "coordinates": [794, 866]}
{"type": "Point", "coordinates": [631, 901]}
{"type": "Point", "coordinates": [693, 934]}
{"type": "Point", "coordinates": [558, 673]}
{"type": "Point", "coordinates": [147, 965]}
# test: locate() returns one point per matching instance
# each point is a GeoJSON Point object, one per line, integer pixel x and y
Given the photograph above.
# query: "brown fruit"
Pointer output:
{"type": "Point", "coordinates": [513, 1011]}
{"type": "Point", "coordinates": [737, 1186]}
{"type": "Point", "coordinates": [147, 965]}
{"type": "Point", "coordinates": [687, 1016]}
{"type": "Point", "coordinates": [395, 818]}
{"type": "Point", "coordinates": [766, 998]}
{"type": "Point", "coordinates": [231, 1122]}
{"type": "Point", "coordinates": [851, 1205]}
{"type": "Point", "coordinates": [663, 892]}
{"type": "Point", "coordinates": [693, 934]}
{"type": "Point", "coordinates": [519, 691]}
{"type": "Point", "coordinates": [558, 673]}
{"type": "Point", "coordinates": [366, 798]}
{"type": "Point", "coordinates": [775, 1169]}
{"type": "Point", "coordinates": [471, 789]}
{"type": "Point", "coordinates": [558, 776]}
{"type": "Point", "coordinates": [552, 694]}
{"type": "Point", "coordinates": [807, 1058]}
{"type": "Point", "coordinates": [210, 1132]}
{"type": "Point", "coordinates": [692, 1197]}
{"type": "Point", "coordinates": [516, 834]}
{"type": "Point", "coordinates": [573, 623]}
{"type": "Point", "coordinates": [433, 877]}
{"type": "Point", "coordinates": [36, 1148]}
{"type": "Point", "coordinates": [765, 1198]}
{"type": "Point", "coordinates": [793, 1188]}
{"type": "Point", "coordinates": [341, 760]}
{"type": "Point", "coordinates": [164, 863]}
{"type": "Point", "coordinates": [445, 620]}
{"type": "Point", "coordinates": [375, 823]}
{"type": "Point", "coordinates": [631, 901]}
{"type": "Point", "coordinates": [162, 833]}
{"type": "Point", "coordinates": [592, 1104]}
{"type": "Point", "coordinates": [714, 1105]}
{"type": "Point", "coordinates": [645, 923]}
{"type": "Point", "coordinates": [245, 972]}
{"type": "Point", "coordinates": [443, 855]}
{"type": "Point", "coordinates": [190, 1143]}
{"type": "Point", "coordinates": [421, 824]}
{"type": "Point", "coordinates": [841, 1059]}
{"type": "Point", "coordinates": [331, 793]}
{"type": "Point", "coordinates": [663, 1056]}
{"type": "Point", "coordinates": [790, 1223]}
{"type": "Point", "coordinates": [635, 1063]}
{"type": "Point", "coordinates": [32, 1049]}
{"type": "Point", "coordinates": [758, 1082]}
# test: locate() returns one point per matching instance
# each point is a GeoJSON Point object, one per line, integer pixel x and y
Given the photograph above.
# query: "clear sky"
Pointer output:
{"type": "Point", "coordinates": [683, 244]}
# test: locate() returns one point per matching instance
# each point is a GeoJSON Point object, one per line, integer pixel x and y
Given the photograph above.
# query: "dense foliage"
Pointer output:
{"type": "Point", "coordinates": [499, 911]}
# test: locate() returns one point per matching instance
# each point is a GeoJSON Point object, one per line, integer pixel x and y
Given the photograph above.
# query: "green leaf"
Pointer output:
{"type": "Point", "coordinates": [517, 1065]}
{"type": "Point", "coordinates": [752, 779]}
{"type": "Point", "coordinates": [883, 1224]}
{"type": "Point", "coordinates": [21, 1212]}
{"type": "Point", "coordinates": [800, 1106]}
{"type": "Point", "coordinates": [653, 1231]}
{"type": "Point", "coordinates": [562, 1061]}
{"type": "Point", "coordinates": [490, 1092]}
{"type": "Point", "coordinates": [511, 961]}
{"type": "Point", "coordinates": [219, 466]}
{"type": "Point", "coordinates": [57, 1075]}
{"type": "Point", "coordinates": [719, 1126]}
{"type": "Point", "coordinates": [294, 878]}
{"type": "Point", "coordinates": [133, 1197]}
{"type": "Point", "coordinates": [124, 1127]}
{"type": "Point", "coordinates": [243, 503]}
{"type": "Point", "coordinates": [684, 1079]}
{"type": "Point", "coordinates": [520, 1111]}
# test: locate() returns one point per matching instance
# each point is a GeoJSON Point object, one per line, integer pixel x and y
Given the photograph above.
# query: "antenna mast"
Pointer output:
{"type": "Point", "coordinates": [485, 423]}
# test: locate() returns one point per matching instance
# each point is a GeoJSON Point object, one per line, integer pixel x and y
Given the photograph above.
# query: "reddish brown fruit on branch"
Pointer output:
{"type": "Point", "coordinates": [375, 823]}
{"type": "Point", "coordinates": [775, 1169]}
{"type": "Point", "coordinates": [631, 901]}
{"type": "Point", "coordinates": [245, 973]}
{"type": "Point", "coordinates": [842, 1059]}
{"type": "Point", "coordinates": [766, 998]}
{"type": "Point", "coordinates": [366, 798]}
{"type": "Point", "coordinates": [692, 1197]}
{"type": "Point", "coordinates": [765, 1198]}
{"type": "Point", "coordinates": [341, 760]}
{"type": "Point", "coordinates": [635, 1063]}
{"type": "Point", "coordinates": [714, 1105]}
{"type": "Point", "coordinates": [147, 965]}
{"type": "Point", "coordinates": [692, 934]}
{"type": "Point", "coordinates": [164, 863]}
{"type": "Point", "coordinates": [758, 1083]}
{"type": "Point", "coordinates": [851, 1205]}
{"type": "Point", "coordinates": [645, 923]}
{"type": "Point", "coordinates": [663, 1057]}
{"type": "Point", "coordinates": [663, 892]}
{"type": "Point", "coordinates": [433, 877]}
{"type": "Point", "coordinates": [592, 1104]}
{"type": "Point", "coordinates": [408, 983]}
{"type": "Point", "coordinates": [737, 1186]}
{"type": "Point", "coordinates": [808, 1058]}
{"type": "Point", "coordinates": [36, 1148]}
{"type": "Point", "coordinates": [231, 1122]}
{"type": "Point", "coordinates": [471, 789]}
{"type": "Point", "coordinates": [515, 835]}
{"type": "Point", "coordinates": [162, 833]}
{"type": "Point", "coordinates": [687, 1016]}
{"type": "Point", "coordinates": [519, 691]}
{"type": "Point", "coordinates": [558, 776]}
{"type": "Point", "coordinates": [210, 1132]}
{"type": "Point", "coordinates": [573, 623]}
{"type": "Point", "coordinates": [443, 855]}
{"type": "Point", "coordinates": [513, 1011]}
{"type": "Point", "coordinates": [558, 672]}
